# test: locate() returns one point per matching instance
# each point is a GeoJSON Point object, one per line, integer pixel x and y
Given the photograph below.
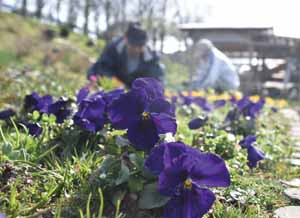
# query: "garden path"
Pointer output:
{"type": "Point", "coordinates": [293, 190]}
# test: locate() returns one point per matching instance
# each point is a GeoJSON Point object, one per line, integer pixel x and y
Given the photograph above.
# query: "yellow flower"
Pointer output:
{"type": "Point", "coordinates": [270, 101]}
{"type": "Point", "coordinates": [254, 98]}
{"type": "Point", "coordinates": [282, 103]}
{"type": "Point", "coordinates": [197, 93]}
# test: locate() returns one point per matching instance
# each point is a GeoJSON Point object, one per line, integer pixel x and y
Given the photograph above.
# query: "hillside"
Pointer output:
{"type": "Point", "coordinates": [33, 56]}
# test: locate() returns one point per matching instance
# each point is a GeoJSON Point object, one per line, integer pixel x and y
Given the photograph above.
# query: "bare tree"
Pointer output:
{"type": "Point", "coordinates": [162, 32]}
{"type": "Point", "coordinates": [58, 8]}
{"type": "Point", "coordinates": [123, 10]}
{"type": "Point", "coordinates": [73, 7]}
{"type": "Point", "coordinates": [86, 15]}
{"type": "Point", "coordinates": [40, 4]}
{"type": "Point", "coordinates": [97, 4]}
{"type": "Point", "coordinates": [107, 12]}
{"type": "Point", "coordinates": [24, 8]}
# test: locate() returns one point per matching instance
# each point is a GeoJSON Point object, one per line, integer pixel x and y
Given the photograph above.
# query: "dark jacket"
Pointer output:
{"type": "Point", "coordinates": [113, 62]}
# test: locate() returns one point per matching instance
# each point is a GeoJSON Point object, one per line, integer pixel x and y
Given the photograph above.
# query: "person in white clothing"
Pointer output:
{"type": "Point", "coordinates": [215, 69]}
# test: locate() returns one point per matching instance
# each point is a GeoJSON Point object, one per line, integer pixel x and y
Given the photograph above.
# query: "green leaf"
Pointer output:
{"type": "Point", "coordinates": [121, 141]}
{"type": "Point", "coordinates": [7, 148]}
{"type": "Point", "coordinates": [137, 160]}
{"type": "Point", "coordinates": [123, 174]}
{"type": "Point", "coordinates": [135, 184]}
{"type": "Point", "coordinates": [150, 198]}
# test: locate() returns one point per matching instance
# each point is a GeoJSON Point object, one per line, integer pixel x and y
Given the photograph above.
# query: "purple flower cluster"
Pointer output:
{"type": "Point", "coordinates": [45, 104]}
{"type": "Point", "coordinates": [245, 107]}
{"type": "Point", "coordinates": [92, 113]}
{"type": "Point", "coordinates": [199, 101]}
{"type": "Point", "coordinates": [185, 174]}
{"type": "Point", "coordinates": [254, 154]}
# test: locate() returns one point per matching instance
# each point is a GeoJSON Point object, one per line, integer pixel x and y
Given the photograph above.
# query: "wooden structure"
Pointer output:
{"type": "Point", "coordinates": [255, 46]}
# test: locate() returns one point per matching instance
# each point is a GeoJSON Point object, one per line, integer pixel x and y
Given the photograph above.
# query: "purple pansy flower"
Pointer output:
{"type": "Point", "coordinates": [255, 108]}
{"type": "Point", "coordinates": [219, 103]}
{"type": "Point", "coordinates": [254, 154]}
{"type": "Point", "coordinates": [186, 100]}
{"type": "Point", "coordinates": [143, 119]}
{"type": "Point", "coordinates": [60, 110]}
{"type": "Point", "coordinates": [91, 113]}
{"type": "Point", "coordinates": [35, 102]}
{"type": "Point", "coordinates": [2, 215]}
{"type": "Point", "coordinates": [185, 176]}
{"type": "Point", "coordinates": [243, 103]}
{"type": "Point", "coordinates": [202, 103]}
{"type": "Point", "coordinates": [249, 108]}
{"type": "Point", "coordinates": [34, 129]}
{"type": "Point", "coordinates": [6, 114]}
{"type": "Point", "coordinates": [198, 122]}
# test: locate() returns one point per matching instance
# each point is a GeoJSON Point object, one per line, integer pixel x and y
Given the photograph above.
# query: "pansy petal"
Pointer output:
{"type": "Point", "coordinates": [174, 208]}
{"type": "Point", "coordinates": [164, 123]}
{"type": "Point", "coordinates": [6, 114]}
{"type": "Point", "coordinates": [143, 134]}
{"type": "Point", "coordinates": [152, 87]}
{"type": "Point", "coordinates": [201, 200]}
{"type": "Point", "coordinates": [161, 156]}
{"type": "Point", "coordinates": [91, 114]}
{"type": "Point", "coordinates": [170, 178]}
{"type": "Point", "coordinates": [31, 101]}
{"type": "Point", "coordinates": [206, 169]}
{"type": "Point", "coordinates": [85, 124]}
{"type": "Point", "coordinates": [254, 155]}
{"type": "Point", "coordinates": [82, 94]}
{"type": "Point", "coordinates": [160, 105]}
{"type": "Point", "coordinates": [186, 100]}
{"type": "Point", "coordinates": [110, 96]}
{"type": "Point", "coordinates": [219, 103]}
{"type": "Point", "coordinates": [191, 204]}
{"type": "Point", "coordinates": [34, 129]}
{"type": "Point", "coordinates": [197, 122]}
{"type": "Point", "coordinates": [43, 103]}
{"type": "Point", "coordinates": [202, 102]}
{"type": "Point", "coordinates": [126, 110]}
{"type": "Point", "coordinates": [94, 108]}
{"type": "Point", "coordinates": [243, 103]}
{"type": "Point", "coordinates": [247, 141]}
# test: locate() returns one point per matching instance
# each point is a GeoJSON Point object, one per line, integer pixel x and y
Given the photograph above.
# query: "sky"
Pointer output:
{"type": "Point", "coordinates": [283, 15]}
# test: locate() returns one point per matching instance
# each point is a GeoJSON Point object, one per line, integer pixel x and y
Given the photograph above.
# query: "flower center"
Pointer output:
{"type": "Point", "coordinates": [187, 184]}
{"type": "Point", "coordinates": [145, 115]}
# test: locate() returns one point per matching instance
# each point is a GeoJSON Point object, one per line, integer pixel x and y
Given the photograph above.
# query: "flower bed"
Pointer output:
{"type": "Point", "coordinates": [143, 153]}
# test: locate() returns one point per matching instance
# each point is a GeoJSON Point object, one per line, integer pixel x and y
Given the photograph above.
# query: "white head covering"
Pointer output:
{"type": "Point", "coordinates": [204, 46]}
